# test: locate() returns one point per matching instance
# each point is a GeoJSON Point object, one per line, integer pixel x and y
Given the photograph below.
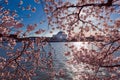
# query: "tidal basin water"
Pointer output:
{"type": "Point", "coordinates": [58, 49]}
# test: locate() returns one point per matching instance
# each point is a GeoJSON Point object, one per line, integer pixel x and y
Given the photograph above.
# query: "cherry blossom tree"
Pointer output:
{"type": "Point", "coordinates": [21, 58]}
{"type": "Point", "coordinates": [78, 17]}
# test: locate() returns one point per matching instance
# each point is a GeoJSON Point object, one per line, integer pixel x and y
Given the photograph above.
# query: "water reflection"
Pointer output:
{"type": "Point", "coordinates": [61, 59]}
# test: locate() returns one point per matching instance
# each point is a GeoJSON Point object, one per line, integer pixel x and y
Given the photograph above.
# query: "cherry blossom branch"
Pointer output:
{"type": "Point", "coordinates": [15, 58]}
{"type": "Point", "coordinates": [24, 48]}
{"type": "Point", "coordinates": [118, 65]}
{"type": "Point", "coordinates": [108, 4]}
{"type": "Point", "coordinates": [20, 66]}
{"type": "Point", "coordinates": [115, 50]}
{"type": "Point", "coordinates": [107, 52]}
{"type": "Point", "coordinates": [91, 25]}
{"type": "Point", "coordinates": [110, 66]}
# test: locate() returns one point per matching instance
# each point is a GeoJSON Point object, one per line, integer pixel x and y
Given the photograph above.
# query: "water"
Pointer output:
{"type": "Point", "coordinates": [58, 49]}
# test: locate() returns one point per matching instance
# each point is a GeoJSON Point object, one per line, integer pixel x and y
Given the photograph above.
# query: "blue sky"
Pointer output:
{"type": "Point", "coordinates": [35, 17]}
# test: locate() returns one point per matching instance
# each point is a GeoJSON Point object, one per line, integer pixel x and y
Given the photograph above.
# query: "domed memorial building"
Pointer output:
{"type": "Point", "coordinates": [60, 36]}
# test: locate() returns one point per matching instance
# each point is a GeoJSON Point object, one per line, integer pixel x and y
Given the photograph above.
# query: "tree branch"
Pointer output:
{"type": "Point", "coordinates": [110, 66]}
{"type": "Point", "coordinates": [108, 4]}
